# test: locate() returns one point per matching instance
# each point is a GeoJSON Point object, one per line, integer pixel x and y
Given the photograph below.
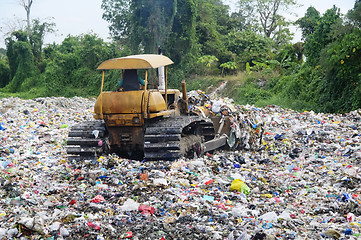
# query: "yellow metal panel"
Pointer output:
{"type": "Point", "coordinates": [142, 61]}
{"type": "Point", "coordinates": [145, 104]}
{"type": "Point", "coordinates": [163, 113]}
{"type": "Point", "coordinates": [176, 92]}
{"type": "Point", "coordinates": [126, 120]}
{"type": "Point", "coordinates": [156, 102]}
{"type": "Point", "coordinates": [119, 102]}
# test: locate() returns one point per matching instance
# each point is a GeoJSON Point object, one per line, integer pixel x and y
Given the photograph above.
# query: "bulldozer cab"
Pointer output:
{"type": "Point", "coordinates": [129, 66]}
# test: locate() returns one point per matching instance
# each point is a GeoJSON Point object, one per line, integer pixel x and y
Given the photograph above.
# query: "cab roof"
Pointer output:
{"type": "Point", "coordinates": [141, 61]}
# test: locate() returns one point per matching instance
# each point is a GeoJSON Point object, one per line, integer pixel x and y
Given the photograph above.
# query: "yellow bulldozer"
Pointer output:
{"type": "Point", "coordinates": [141, 123]}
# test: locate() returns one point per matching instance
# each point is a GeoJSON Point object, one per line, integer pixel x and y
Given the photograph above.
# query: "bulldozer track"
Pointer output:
{"type": "Point", "coordinates": [86, 139]}
{"type": "Point", "coordinates": [175, 137]}
{"type": "Point", "coordinates": [166, 139]}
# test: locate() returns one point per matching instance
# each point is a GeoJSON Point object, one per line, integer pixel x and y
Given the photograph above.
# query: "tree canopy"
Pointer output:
{"type": "Point", "coordinates": [265, 16]}
{"type": "Point", "coordinates": [253, 46]}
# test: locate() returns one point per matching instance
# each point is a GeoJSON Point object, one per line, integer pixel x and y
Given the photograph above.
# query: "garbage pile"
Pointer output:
{"type": "Point", "coordinates": [296, 177]}
{"type": "Point", "coordinates": [246, 125]}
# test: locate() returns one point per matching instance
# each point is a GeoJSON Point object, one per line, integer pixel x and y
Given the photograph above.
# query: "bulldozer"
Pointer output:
{"type": "Point", "coordinates": [139, 122]}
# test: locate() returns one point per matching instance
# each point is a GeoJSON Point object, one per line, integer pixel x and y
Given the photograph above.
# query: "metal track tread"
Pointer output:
{"type": "Point", "coordinates": [163, 139]}
{"type": "Point", "coordinates": [86, 139]}
{"type": "Point", "coordinates": [207, 130]}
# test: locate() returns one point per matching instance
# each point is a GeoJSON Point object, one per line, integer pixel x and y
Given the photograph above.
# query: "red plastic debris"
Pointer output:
{"type": "Point", "coordinates": [221, 206]}
{"type": "Point", "coordinates": [94, 226]}
{"type": "Point", "coordinates": [209, 182]}
{"type": "Point", "coordinates": [11, 165]}
{"type": "Point", "coordinates": [296, 168]}
{"type": "Point", "coordinates": [145, 209]}
{"type": "Point", "coordinates": [98, 199]}
{"type": "Point", "coordinates": [128, 234]}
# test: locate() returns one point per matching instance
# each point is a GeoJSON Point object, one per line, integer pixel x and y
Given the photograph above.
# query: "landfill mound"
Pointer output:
{"type": "Point", "coordinates": [291, 175]}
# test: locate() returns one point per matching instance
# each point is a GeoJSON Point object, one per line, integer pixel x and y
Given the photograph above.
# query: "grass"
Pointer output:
{"type": "Point", "coordinates": [209, 83]}
{"type": "Point", "coordinates": [248, 88]}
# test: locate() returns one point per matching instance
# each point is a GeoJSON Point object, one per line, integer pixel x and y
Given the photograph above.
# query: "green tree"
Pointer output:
{"type": "Point", "coordinates": [228, 66]}
{"type": "Point", "coordinates": [206, 62]}
{"type": "Point", "coordinates": [211, 25]}
{"type": "Point", "coordinates": [341, 61]}
{"type": "Point", "coordinates": [244, 19]}
{"type": "Point", "coordinates": [2, 53]}
{"type": "Point", "coordinates": [317, 34]}
{"type": "Point", "coordinates": [152, 22]}
{"type": "Point", "coordinates": [266, 18]}
{"type": "Point", "coordinates": [4, 69]}
{"type": "Point", "coordinates": [36, 39]}
{"type": "Point", "coordinates": [309, 22]}
{"type": "Point", "coordinates": [354, 15]}
{"type": "Point", "coordinates": [118, 14]}
{"type": "Point", "coordinates": [21, 60]}
{"type": "Point", "coordinates": [342, 83]}
{"type": "Point", "coordinates": [330, 79]}
{"type": "Point", "coordinates": [290, 54]}
{"type": "Point", "coordinates": [72, 65]}
{"type": "Point", "coordinates": [249, 46]}
{"type": "Point", "coordinates": [4, 73]}
{"type": "Point", "coordinates": [143, 24]}
{"type": "Point", "coordinates": [181, 43]}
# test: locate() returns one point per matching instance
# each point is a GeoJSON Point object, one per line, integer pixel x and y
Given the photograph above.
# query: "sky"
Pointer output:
{"type": "Point", "coordinates": [72, 17]}
{"type": "Point", "coordinates": [76, 17]}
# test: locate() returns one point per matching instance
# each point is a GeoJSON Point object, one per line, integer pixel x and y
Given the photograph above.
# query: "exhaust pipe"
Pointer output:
{"type": "Point", "coordinates": [185, 97]}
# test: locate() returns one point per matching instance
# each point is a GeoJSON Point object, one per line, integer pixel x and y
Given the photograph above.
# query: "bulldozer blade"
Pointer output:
{"type": "Point", "coordinates": [214, 143]}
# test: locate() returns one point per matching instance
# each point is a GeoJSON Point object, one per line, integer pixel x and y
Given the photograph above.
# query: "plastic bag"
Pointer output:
{"type": "Point", "coordinates": [216, 107]}
{"type": "Point", "coordinates": [269, 217]}
{"type": "Point", "coordinates": [130, 205]}
{"type": "Point", "coordinates": [240, 186]}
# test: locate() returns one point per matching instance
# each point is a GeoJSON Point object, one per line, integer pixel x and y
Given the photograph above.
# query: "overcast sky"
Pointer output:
{"type": "Point", "coordinates": [83, 16]}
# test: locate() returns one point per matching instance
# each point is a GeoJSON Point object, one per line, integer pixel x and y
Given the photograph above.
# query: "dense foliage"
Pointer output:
{"type": "Point", "coordinates": [57, 70]}
{"type": "Point", "coordinates": [249, 49]}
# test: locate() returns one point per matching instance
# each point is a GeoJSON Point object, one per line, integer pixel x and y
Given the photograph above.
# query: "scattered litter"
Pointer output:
{"type": "Point", "coordinates": [289, 175]}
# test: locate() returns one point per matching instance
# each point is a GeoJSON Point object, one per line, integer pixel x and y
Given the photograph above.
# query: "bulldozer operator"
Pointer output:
{"type": "Point", "coordinates": [130, 80]}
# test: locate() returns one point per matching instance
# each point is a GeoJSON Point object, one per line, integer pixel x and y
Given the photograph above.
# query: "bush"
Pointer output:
{"type": "Point", "coordinates": [4, 73]}
{"type": "Point", "coordinates": [81, 77]}
{"type": "Point", "coordinates": [205, 84]}
{"type": "Point", "coordinates": [249, 93]}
